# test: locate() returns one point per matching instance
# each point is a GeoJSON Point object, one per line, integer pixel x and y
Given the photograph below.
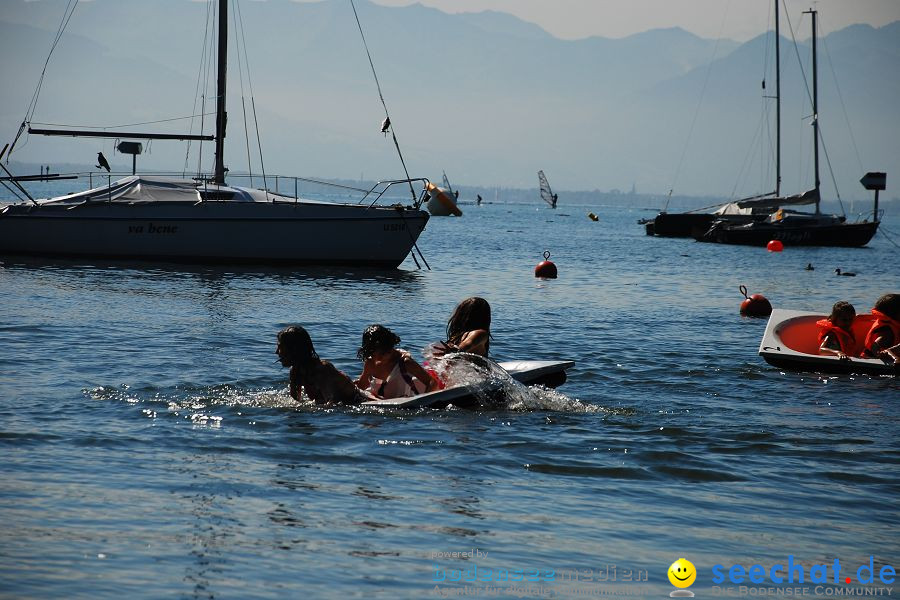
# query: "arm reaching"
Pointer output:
{"type": "Point", "coordinates": [832, 346]}
{"type": "Point", "coordinates": [474, 342]}
{"type": "Point", "coordinates": [416, 370]}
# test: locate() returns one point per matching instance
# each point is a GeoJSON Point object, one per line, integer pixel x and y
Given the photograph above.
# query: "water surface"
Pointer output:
{"type": "Point", "coordinates": [151, 449]}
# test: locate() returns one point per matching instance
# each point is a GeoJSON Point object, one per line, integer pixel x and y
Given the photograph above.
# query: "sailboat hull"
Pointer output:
{"type": "Point", "coordinates": [693, 224]}
{"type": "Point", "coordinates": [215, 232]}
{"type": "Point", "coordinates": [848, 235]}
{"type": "Point", "coordinates": [680, 224]}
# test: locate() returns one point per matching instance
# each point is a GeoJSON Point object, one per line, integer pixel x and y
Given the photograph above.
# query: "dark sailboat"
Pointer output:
{"type": "Point", "coordinates": [799, 228]}
{"type": "Point", "coordinates": [696, 222]}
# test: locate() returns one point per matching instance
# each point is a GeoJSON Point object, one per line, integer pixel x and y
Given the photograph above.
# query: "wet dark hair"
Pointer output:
{"type": "Point", "coordinates": [842, 308]}
{"type": "Point", "coordinates": [470, 314]}
{"type": "Point", "coordinates": [376, 338]}
{"type": "Point", "coordinates": [889, 304]}
{"type": "Point", "coordinates": [296, 345]}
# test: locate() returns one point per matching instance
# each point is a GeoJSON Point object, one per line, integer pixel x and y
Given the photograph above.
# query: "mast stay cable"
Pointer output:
{"type": "Point", "coordinates": [243, 40]}
{"type": "Point", "coordinates": [235, 16]}
{"type": "Point", "coordinates": [29, 112]}
{"type": "Point", "coordinates": [197, 94]}
{"type": "Point", "coordinates": [387, 118]}
{"type": "Point", "coordinates": [699, 104]}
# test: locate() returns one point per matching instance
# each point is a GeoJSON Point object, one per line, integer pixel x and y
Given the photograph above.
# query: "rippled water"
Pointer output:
{"type": "Point", "coordinates": [151, 449]}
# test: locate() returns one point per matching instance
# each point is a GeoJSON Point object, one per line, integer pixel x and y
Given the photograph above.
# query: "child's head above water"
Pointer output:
{"type": "Point", "coordinates": [889, 304]}
{"type": "Point", "coordinates": [470, 314]}
{"type": "Point", "coordinates": [376, 339]}
{"type": "Point", "coordinates": [842, 314]}
{"type": "Point", "coordinates": [295, 346]}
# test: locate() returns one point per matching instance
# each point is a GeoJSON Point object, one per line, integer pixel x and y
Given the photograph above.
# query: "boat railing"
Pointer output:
{"type": "Point", "coordinates": [380, 188]}
{"type": "Point", "coordinates": [867, 216]}
{"type": "Point", "coordinates": [289, 185]}
{"type": "Point", "coordinates": [372, 194]}
{"type": "Point", "coordinates": [280, 185]}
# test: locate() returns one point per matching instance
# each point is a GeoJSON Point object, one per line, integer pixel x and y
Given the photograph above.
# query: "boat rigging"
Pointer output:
{"type": "Point", "coordinates": [204, 219]}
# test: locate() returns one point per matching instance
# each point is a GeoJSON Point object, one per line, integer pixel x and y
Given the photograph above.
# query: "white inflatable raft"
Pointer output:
{"type": "Point", "coordinates": [550, 373]}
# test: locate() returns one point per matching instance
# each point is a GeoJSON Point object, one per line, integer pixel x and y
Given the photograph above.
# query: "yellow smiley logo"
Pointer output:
{"type": "Point", "coordinates": [682, 573]}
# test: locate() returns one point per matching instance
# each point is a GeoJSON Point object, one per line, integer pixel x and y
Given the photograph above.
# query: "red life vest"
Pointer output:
{"type": "Point", "coordinates": [881, 321]}
{"type": "Point", "coordinates": [845, 338]}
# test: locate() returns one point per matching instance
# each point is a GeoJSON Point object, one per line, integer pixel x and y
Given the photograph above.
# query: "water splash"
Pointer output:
{"type": "Point", "coordinates": [493, 388]}
{"type": "Point", "coordinates": [496, 389]}
{"type": "Point", "coordinates": [195, 404]}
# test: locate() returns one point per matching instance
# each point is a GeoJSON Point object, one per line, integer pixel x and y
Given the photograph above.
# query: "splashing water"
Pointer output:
{"type": "Point", "coordinates": [492, 387]}
{"type": "Point", "coordinates": [495, 388]}
{"type": "Point", "coordinates": [198, 407]}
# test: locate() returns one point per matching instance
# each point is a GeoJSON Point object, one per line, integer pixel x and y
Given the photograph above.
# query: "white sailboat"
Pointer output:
{"type": "Point", "coordinates": [206, 220]}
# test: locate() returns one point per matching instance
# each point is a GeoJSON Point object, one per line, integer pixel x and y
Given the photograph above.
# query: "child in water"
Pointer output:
{"type": "Point", "coordinates": [883, 339]}
{"type": "Point", "coordinates": [321, 380]}
{"type": "Point", "coordinates": [387, 371]}
{"type": "Point", "coordinates": [469, 328]}
{"type": "Point", "coordinates": [835, 334]}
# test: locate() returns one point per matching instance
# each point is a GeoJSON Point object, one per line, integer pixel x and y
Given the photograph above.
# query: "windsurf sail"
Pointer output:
{"type": "Point", "coordinates": [546, 193]}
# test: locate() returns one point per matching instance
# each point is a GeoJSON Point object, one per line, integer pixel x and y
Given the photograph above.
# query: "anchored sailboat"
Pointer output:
{"type": "Point", "coordinates": [758, 219]}
{"type": "Point", "coordinates": [793, 227]}
{"type": "Point", "coordinates": [205, 219]}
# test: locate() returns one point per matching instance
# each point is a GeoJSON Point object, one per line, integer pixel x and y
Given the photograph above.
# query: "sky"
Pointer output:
{"type": "Point", "coordinates": [503, 153]}
{"type": "Point", "coordinates": [733, 19]}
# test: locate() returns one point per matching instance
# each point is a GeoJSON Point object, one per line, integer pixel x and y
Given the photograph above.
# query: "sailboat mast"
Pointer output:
{"type": "Point", "coordinates": [219, 172]}
{"type": "Point", "coordinates": [777, 103]}
{"type": "Point", "coordinates": [815, 75]}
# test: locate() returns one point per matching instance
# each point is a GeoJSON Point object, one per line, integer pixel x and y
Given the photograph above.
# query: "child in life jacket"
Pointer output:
{"type": "Point", "coordinates": [883, 339]}
{"type": "Point", "coordinates": [389, 372]}
{"type": "Point", "coordinates": [835, 334]}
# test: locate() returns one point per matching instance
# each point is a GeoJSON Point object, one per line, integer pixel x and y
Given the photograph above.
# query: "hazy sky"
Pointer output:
{"type": "Point", "coordinates": [734, 19]}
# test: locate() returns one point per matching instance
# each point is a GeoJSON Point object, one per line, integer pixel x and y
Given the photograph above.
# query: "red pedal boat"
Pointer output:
{"type": "Point", "coordinates": [791, 341]}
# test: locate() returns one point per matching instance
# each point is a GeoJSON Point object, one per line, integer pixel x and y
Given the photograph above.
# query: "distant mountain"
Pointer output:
{"type": "Point", "coordinates": [485, 96]}
{"type": "Point", "coordinates": [498, 23]}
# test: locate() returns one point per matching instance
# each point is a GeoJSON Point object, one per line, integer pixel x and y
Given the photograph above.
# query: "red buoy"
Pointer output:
{"type": "Point", "coordinates": [775, 246]}
{"type": "Point", "coordinates": [756, 305]}
{"type": "Point", "coordinates": [545, 269]}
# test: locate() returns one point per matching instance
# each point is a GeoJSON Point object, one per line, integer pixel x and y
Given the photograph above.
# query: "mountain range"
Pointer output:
{"type": "Point", "coordinates": [486, 97]}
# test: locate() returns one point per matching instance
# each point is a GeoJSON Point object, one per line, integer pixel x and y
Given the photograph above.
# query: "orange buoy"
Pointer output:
{"type": "Point", "coordinates": [775, 246]}
{"type": "Point", "coordinates": [545, 269]}
{"type": "Point", "coordinates": [756, 305]}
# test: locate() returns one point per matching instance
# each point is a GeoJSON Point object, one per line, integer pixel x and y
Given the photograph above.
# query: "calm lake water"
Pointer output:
{"type": "Point", "coordinates": [150, 448]}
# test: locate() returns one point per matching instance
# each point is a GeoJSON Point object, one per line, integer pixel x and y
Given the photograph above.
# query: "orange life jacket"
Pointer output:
{"type": "Point", "coordinates": [845, 338]}
{"type": "Point", "coordinates": [881, 321]}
